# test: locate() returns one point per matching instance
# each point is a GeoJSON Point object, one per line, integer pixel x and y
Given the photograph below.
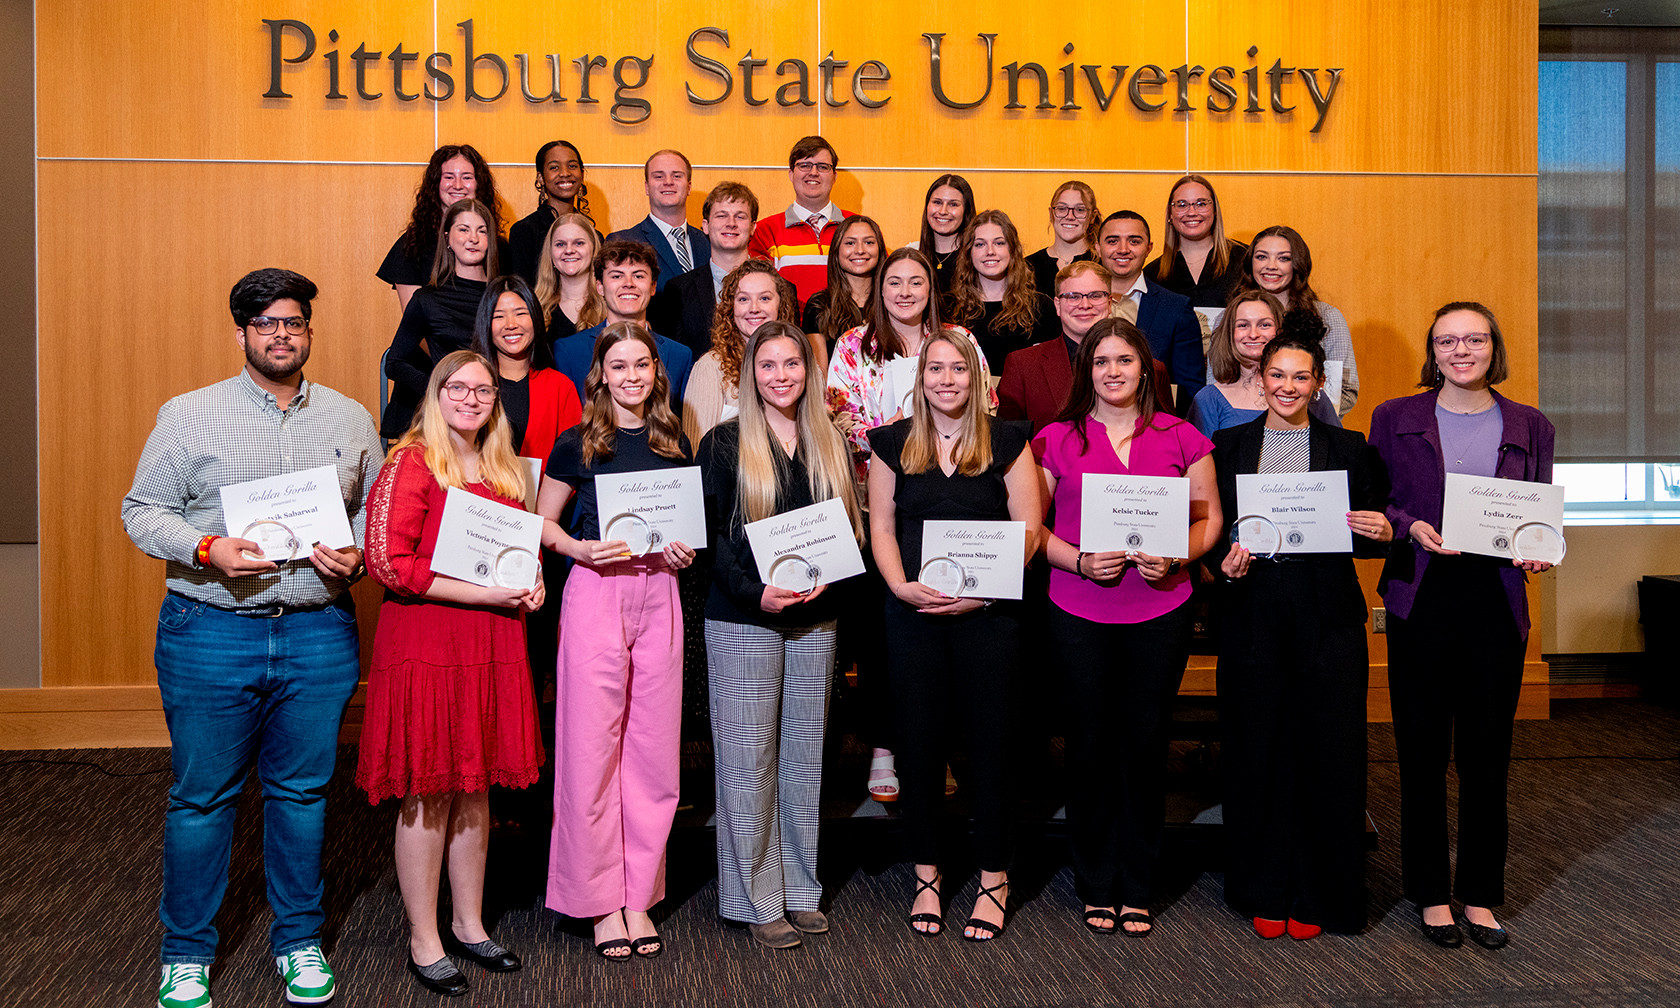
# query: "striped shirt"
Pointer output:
{"type": "Point", "coordinates": [798, 252]}
{"type": "Point", "coordinates": [228, 433]}
{"type": "Point", "coordinates": [1285, 450]}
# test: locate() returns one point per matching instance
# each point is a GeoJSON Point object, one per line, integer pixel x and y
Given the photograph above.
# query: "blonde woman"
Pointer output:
{"type": "Point", "coordinates": [450, 709]}
{"type": "Point", "coordinates": [565, 277]}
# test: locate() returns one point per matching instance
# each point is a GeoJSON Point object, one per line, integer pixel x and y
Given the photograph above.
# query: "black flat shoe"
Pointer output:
{"type": "Point", "coordinates": [1135, 918]}
{"type": "Point", "coordinates": [449, 982]}
{"type": "Point", "coordinates": [1094, 919]}
{"type": "Point", "coordinates": [485, 954]}
{"type": "Point", "coordinates": [1493, 938]}
{"type": "Point", "coordinates": [1444, 935]}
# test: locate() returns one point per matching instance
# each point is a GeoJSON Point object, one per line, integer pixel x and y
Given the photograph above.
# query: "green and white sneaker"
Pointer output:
{"type": "Point", "coordinates": [184, 985]}
{"type": "Point", "coordinates": [309, 980]}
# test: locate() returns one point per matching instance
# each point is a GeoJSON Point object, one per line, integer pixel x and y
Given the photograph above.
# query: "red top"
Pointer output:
{"type": "Point", "coordinates": [554, 407]}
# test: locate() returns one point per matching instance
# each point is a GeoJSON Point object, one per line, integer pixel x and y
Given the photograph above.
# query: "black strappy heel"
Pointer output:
{"type": "Point", "coordinates": [937, 920]}
{"type": "Point", "coordinates": [992, 930]}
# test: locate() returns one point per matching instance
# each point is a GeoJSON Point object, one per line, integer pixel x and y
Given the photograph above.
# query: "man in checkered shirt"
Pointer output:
{"type": "Point", "coordinates": [255, 658]}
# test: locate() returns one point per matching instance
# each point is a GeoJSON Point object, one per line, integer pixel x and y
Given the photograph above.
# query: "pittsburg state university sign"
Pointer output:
{"type": "Point", "coordinates": [958, 80]}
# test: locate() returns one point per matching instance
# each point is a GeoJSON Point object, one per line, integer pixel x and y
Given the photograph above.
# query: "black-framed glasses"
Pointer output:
{"type": "Point", "coordinates": [459, 391]}
{"type": "Point", "coordinates": [268, 325]}
{"type": "Point", "coordinates": [807, 167]}
{"type": "Point", "coordinates": [1076, 212]}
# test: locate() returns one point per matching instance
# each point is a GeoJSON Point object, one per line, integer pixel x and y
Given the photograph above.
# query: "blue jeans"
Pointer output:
{"type": "Point", "coordinates": [234, 686]}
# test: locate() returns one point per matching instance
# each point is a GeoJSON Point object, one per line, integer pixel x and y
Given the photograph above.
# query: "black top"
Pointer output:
{"type": "Point", "coordinates": [442, 319]}
{"type": "Point", "coordinates": [997, 343]}
{"type": "Point", "coordinates": [1211, 291]}
{"type": "Point", "coordinates": [737, 589]}
{"type": "Point", "coordinates": [1045, 268]}
{"type": "Point", "coordinates": [416, 270]}
{"type": "Point", "coordinates": [815, 309]}
{"type": "Point", "coordinates": [944, 268]}
{"type": "Point", "coordinates": [934, 495]}
{"type": "Point", "coordinates": [683, 309]}
{"type": "Point", "coordinates": [525, 240]}
{"type": "Point", "coordinates": [631, 453]}
{"type": "Point", "coordinates": [515, 395]}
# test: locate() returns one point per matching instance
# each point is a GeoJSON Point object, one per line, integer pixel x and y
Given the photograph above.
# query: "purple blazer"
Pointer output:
{"type": "Point", "coordinates": [1404, 433]}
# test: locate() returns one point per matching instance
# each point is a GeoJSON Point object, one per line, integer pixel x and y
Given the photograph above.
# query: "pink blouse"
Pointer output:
{"type": "Point", "coordinates": [1168, 447]}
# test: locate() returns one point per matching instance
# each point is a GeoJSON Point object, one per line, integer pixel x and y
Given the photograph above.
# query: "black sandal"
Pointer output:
{"type": "Point", "coordinates": [937, 920]}
{"type": "Point", "coordinates": [1101, 915]}
{"type": "Point", "coordinates": [992, 930]}
{"type": "Point", "coordinates": [1135, 918]}
{"type": "Point", "coordinates": [602, 948]}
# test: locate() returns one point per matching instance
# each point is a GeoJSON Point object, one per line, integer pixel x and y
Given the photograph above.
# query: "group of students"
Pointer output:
{"type": "Point", "coordinates": [784, 392]}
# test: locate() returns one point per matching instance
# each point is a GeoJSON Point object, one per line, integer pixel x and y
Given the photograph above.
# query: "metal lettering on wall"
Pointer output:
{"type": "Point", "coordinates": [958, 77]}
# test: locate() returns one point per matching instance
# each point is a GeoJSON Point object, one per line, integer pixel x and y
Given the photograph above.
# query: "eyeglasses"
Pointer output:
{"type": "Point", "coordinates": [1471, 341]}
{"type": "Point", "coordinates": [807, 167]}
{"type": "Point", "coordinates": [268, 325]}
{"type": "Point", "coordinates": [1076, 212]}
{"type": "Point", "coordinates": [1200, 204]}
{"type": "Point", "coordinates": [458, 392]}
{"type": "Point", "coordinates": [1074, 297]}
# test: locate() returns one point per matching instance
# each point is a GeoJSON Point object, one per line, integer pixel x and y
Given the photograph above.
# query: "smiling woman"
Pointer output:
{"type": "Point", "coordinates": [753, 294]}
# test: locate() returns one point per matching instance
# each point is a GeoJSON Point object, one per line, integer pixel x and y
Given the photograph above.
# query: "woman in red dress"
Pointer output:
{"type": "Point", "coordinates": [449, 703]}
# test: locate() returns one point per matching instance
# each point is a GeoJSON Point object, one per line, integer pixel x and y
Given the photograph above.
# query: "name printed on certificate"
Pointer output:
{"type": "Point", "coordinates": [1499, 517]}
{"type": "Point", "coordinates": [652, 508]}
{"type": "Point", "coordinates": [805, 547]}
{"type": "Point", "coordinates": [1142, 514]}
{"type": "Point", "coordinates": [974, 559]}
{"type": "Point", "coordinates": [287, 515]}
{"type": "Point", "coordinates": [487, 542]}
{"type": "Point", "coordinates": [1309, 509]}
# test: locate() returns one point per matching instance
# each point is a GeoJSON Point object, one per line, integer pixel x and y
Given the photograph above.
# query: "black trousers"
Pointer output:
{"type": "Point", "coordinates": [1292, 687]}
{"type": "Point", "coordinates": [1122, 679]}
{"type": "Point", "coordinates": [1454, 673]}
{"type": "Point", "coordinates": [952, 677]}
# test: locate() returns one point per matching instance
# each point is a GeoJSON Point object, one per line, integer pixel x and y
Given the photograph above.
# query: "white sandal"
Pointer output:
{"type": "Point", "coordinates": [888, 785]}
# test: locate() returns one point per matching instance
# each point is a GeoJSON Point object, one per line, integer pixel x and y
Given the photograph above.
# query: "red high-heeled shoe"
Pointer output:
{"type": "Point", "coordinates": [1301, 931]}
{"type": "Point", "coordinates": [1268, 929]}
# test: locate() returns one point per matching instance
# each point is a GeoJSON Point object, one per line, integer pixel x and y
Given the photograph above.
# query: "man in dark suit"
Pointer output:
{"type": "Point", "coordinates": [1174, 334]}
{"type": "Point", "coordinates": [679, 244]}
{"type": "Point", "coordinates": [683, 308]}
{"type": "Point", "coordinates": [1036, 380]}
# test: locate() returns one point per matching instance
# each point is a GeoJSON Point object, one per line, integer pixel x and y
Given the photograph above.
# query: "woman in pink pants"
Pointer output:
{"type": "Point", "coordinates": [619, 680]}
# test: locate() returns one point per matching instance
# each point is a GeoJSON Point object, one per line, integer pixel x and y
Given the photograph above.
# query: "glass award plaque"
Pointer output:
{"type": "Point", "coordinates": [275, 541]}
{"type": "Point", "coordinates": [1258, 535]}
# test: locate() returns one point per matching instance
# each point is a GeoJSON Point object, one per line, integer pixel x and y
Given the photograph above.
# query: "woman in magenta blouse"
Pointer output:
{"type": "Point", "coordinates": [1120, 619]}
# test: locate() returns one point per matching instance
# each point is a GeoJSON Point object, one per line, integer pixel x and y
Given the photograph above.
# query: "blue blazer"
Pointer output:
{"type": "Point", "coordinates": [1175, 338]}
{"type": "Point", "coordinates": [648, 232]}
{"type": "Point", "coordinates": [574, 354]}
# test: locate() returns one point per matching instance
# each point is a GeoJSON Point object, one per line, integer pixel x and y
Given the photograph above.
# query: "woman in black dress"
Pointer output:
{"type": "Point", "coordinates": [1074, 222]}
{"type": "Point", "coordinates": [454, 173]}
{"type": "Point", "coordinates": [1196, 259]}
{"type": "Point", "coordinates": [946, 213]}
{"type": "Point", "coordinates": [950, 460]}
{"type": "Point", "coordinates": [855, 254]}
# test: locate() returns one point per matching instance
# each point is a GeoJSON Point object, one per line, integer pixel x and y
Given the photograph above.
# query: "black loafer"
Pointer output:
{"type": "Point", "coordinates": [485, 954]}
{"type": "Point", "coordinates": [450, 984]}
{"type": "Point", "coordinates": [1487, 937]}
{"type": "Point", "coordinates": [1444, 935]}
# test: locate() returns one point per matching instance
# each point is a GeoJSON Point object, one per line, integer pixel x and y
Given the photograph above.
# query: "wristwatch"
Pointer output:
{"type": "Point", "coordinates": [1173, 568]}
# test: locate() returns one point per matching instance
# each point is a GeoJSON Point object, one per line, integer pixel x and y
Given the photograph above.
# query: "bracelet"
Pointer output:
{"type": "Point", "coordinates": [202, 553]}
{"type": "Point", "coordinates": [1079, 566]}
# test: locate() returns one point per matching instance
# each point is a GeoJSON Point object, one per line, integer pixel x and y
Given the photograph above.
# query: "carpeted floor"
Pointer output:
{"type": "Point", "coordinates": [1593, 910]}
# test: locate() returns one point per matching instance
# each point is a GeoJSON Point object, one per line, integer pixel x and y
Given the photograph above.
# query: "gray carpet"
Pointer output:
{"type": "Point", "coordinates": [1594, 872]}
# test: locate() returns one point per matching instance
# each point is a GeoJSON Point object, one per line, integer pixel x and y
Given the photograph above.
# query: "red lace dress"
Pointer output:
{"type": "Point", "coordinates": [449, 701]}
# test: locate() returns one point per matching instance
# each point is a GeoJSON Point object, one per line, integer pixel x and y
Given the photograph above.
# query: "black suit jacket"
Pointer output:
{"type": "Point", "coordinates": [1330, 576]}
{"type": "Point", "coordinates": [669, 269]}
{"type": "Point", "coordinates": [683, 310]}
{"type": "Point", "coordinates": [1175, 338]}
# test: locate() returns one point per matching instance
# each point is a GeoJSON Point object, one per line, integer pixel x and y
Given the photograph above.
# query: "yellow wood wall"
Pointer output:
{"type": "Point", "coordinates": [164, 175]}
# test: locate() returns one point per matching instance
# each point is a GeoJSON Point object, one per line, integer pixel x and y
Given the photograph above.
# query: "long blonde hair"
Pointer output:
{"type": "Point", "coordinates": [498, 464]}
{"type": "Point", "coordinates": [762, 467]}
{"type": "Point", "coordinates": [600, 429]}
{"type": "Point", "coordinates": [972, 452]}
{"type": "Point", "coordinates": [594, 310]}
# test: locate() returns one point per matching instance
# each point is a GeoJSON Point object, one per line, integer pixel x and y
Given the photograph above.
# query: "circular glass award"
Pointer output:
{"type": "Point", "coordinates": [1258, 535]}
{"type": "Point", "coordinates": [794, 573]}
{"type": "Point", "coordinates": [1538, 541]}
{"type": "Point", "coordinates": [516, 567]}
{"type": "Point", "coordinates": [275, 542]}
{"type": "Point", "coordinates": [943, 575]}
{"type": "Point", "coordinates": [633, 529]}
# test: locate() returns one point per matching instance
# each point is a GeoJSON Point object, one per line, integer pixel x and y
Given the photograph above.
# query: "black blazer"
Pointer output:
{"type": "Point", "coordinates": [1175, 338]}
{"type": "Point", "coordinates": [683, 309]}
{"type": "Point", "coordinates": [1331, 577]}
{"type": "Point", "coordinates": [645, 232]}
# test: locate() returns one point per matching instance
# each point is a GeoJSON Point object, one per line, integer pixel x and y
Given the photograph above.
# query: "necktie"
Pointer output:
{"type": "Point", "coordinates": [679, 245]}
{"type": "Point", "coordinates": [816, 221]}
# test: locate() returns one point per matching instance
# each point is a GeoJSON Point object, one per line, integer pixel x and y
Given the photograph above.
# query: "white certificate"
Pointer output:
{"type": "Point", "coordinates": [1209, 318]}
{"type": "Point", "coordinates": [487, 542]}
{"type": "Point", "coordinates": [1143, 514]}
{"type": "Point", "coordinates": [1333, 384]}
{"type": "Point", "coordinates": [1309, 509]}
{"type": "Point", "coordinates": [805, 547]}
{"type": "Point", "coordinates": [986, 557]}
{"type": "Point", "coordinates": [287, 515]}
{"type": "Point", "coordinates": [1482, 514]}
{"type": "Point", "coordinates": [899, 385]}
{"type": "Point", "coordinates": [662, 506]}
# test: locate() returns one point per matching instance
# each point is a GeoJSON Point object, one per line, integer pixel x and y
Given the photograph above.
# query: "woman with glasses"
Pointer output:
{"type": "Point", "coordinates": [618, 688]}
{"type": "Point", "coordinates": [1074, 222]}
{"type": "Point", "coordinates": [946, 212]}
{"type": "Point", "coordinates": [1293, 669]}
{"type": "Point", "coordinates": [1457, 700]}
{"type": "Point", "coordinates": [440, 315]}
{"type": "Point", "coordinates": [1280, 264]}
{"type": "Point", "coordinates": [1197, 260]}
{"type": "Point", "coordinates": [449, 704]}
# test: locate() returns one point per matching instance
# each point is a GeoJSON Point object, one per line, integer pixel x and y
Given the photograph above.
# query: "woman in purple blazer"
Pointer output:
{"type": "Point", "coordinates": [1460, 699]}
